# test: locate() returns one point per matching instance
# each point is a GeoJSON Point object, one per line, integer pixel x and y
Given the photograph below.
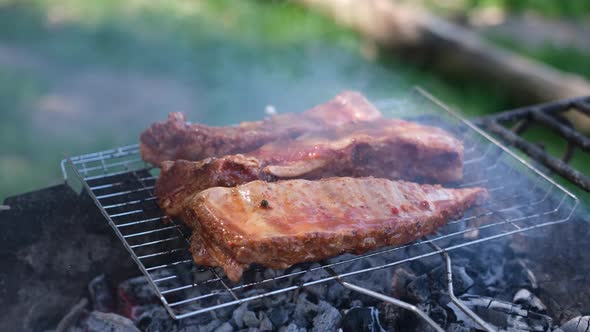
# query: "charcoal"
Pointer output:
{"type": "Point", "coordinates": [389, 315]}
{"type": "Point", "coordinates": [462, 281]}
{"type": "Point", "coordinates": [277, 300]}
{"type": "Point", "coordinates": [327, 319]}
{"type": "Point", "coordinates": [319, 290]}
{"type": "Point", "coordinates": [529, 301]}
{"type": "Point", "coordinates": [132, 294]}
{"type": "Point", "coordinates": [238, 315]}
{"type": "Point", "coordinates": [577, 324]}
{"type": "Point", "coordinates": [501, 314]}
{"type": "Point", "coordinates": [305, 310]}
{"type": "Point", "coordinates": [279, 316]}
{"type": "Point", "coordinates": [338, 295]}
{"type": "Point", "coordinates": [419, 290]}
{"type": "Point", "coordinates": [250, 319]}
{"type": "Point", "coordinates": [519, 275]}
{"type": "Point", "coordinates": [486, 266]}
{"type": "Point", "coordinates": [400, 280]}
{"type": "Point", "coordinates": [362, 320]}
{"type": "Point", "coordinates": [201, 319]}
{"type": "Point", "coordinates": [70, 329]}
{"type": "Point", "coordinates": [190, 328]}
{"type": "Point", "coordinates": [434, 283]}
{"type": "Point", "coordinates": [71, 320]}
{"type": "Point", "coordinates": [101, 297]}
{"type": "Point", "coordinates": [100, 321]}
{"type": "Point", "coordinates": [225, 327]}
{"type": "Point", "coordinates": [377, 281]}
{"type": "Point", "coordinates": [211, 326]}
{"type": "Point", "coordinates": [222, 314]}
{"type": "Point", "coordinates": [356, 303]}
{"type": "Point", "coordinates": [155, 319]}
{"type": "Point", "coordinates": [265, 324]}
{"type": "Point", "coordinates": [454, 327]}
{"type": "Point", "coordinates": [292, 328]}
{"type": "Point", "coordinates": [136, 289]}
{"type": "Point", "coordinates": [136, 312]}
{"type": "Point", "coordinates": [437, 313]}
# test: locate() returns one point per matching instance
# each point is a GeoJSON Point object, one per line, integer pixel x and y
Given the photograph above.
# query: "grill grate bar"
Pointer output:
{"type": "Point", "coordinates": [159, 245]}
{"type": "Point", "coordinates": [103, 176]}
{"type": "Point", "coordinates": [110, 185]}
{"type": "Point", "coordinates": [128, 236]}
{"type": "Point", "coordinates": [155, 242]}
{"type": "Point", "coordinates": [125, 213]}
{"type": "Point", "coordinates": [160, 253]}
{"type": "Point", "coordinates": [104, 166]}
{"type": "Point", "coordinates": [153, 268]}
{"type": "Point", "coordinates": [129, 203]}
{"type": "Point", "coordinates": [143, 221]}
{"type": "Point", "coordinates": [123, 193]}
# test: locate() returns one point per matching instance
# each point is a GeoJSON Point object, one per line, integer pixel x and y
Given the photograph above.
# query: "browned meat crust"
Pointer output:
{"type": "Point", "coordinates": [175, 139]}
{"type": "Point", "coordinates": [387, 148]}
{"type": "Point", "coordinates": [288, 222]}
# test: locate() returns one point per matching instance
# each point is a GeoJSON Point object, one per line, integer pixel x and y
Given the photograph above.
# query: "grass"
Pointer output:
{"type": "Point", "coordinates": [577, 9]}
{"type": "Point", "coordinates": [568, 59]}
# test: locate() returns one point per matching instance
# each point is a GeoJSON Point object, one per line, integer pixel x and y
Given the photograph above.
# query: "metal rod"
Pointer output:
{"type": "Point", "coordinates": [482, 323]}
{"type": "Point", "coordinates": [393, 301]}
{"type": "Point", "coordinates": [388, 299]}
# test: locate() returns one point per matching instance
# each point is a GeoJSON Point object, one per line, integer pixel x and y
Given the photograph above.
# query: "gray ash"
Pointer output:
{"type": "Point", "coordinates": [494, 280]}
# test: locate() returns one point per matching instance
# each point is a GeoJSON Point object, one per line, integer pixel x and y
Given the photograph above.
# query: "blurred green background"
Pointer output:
{"type": "Point", "coordinates": [80, 76]}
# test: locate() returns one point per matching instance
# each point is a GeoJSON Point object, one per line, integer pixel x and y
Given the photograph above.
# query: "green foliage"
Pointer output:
{"type": "Point", "coordinates": [567, 8]}
{"type": "Point", "coordinates": [564, 58]}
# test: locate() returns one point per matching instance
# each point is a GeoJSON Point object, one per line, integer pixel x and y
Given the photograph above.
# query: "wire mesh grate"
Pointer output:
{"type": "Point", "coordinates": [121, 184]}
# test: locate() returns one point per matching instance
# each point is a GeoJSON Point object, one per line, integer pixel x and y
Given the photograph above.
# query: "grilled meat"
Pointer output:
{"type": "Point", "coordinates": [175, 139]}
{"type": "Point", "coordinates": [288, 222]}
{"type": "Point", "coordinates": [388, 148]}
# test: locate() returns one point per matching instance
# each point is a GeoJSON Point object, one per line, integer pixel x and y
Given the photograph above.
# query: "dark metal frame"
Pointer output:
{"type": "Point", "coordinates": [550, 115]}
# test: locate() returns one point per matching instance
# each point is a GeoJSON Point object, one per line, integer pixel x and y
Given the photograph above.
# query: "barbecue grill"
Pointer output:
{"type": "Point", "coordinates": [522, 199]}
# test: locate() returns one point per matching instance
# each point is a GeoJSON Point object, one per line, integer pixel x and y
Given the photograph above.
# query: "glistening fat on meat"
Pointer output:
{"type": "Point", "coordinates": [287, 222]}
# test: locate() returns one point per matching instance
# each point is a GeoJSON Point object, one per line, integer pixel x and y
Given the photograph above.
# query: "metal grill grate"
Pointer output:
{"type": "Point", "coordinates": [551, 116]}
{"type": "Point", "coordinates": [121, 185]}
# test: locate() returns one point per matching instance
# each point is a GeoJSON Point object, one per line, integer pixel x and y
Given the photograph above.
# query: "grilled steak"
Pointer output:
{"type": "Point", "coordinates": [175, 139]}
{"type": "Point", "coordinates": [387, 148]}
{"type": "Point", "coordinates": [288, 222]}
